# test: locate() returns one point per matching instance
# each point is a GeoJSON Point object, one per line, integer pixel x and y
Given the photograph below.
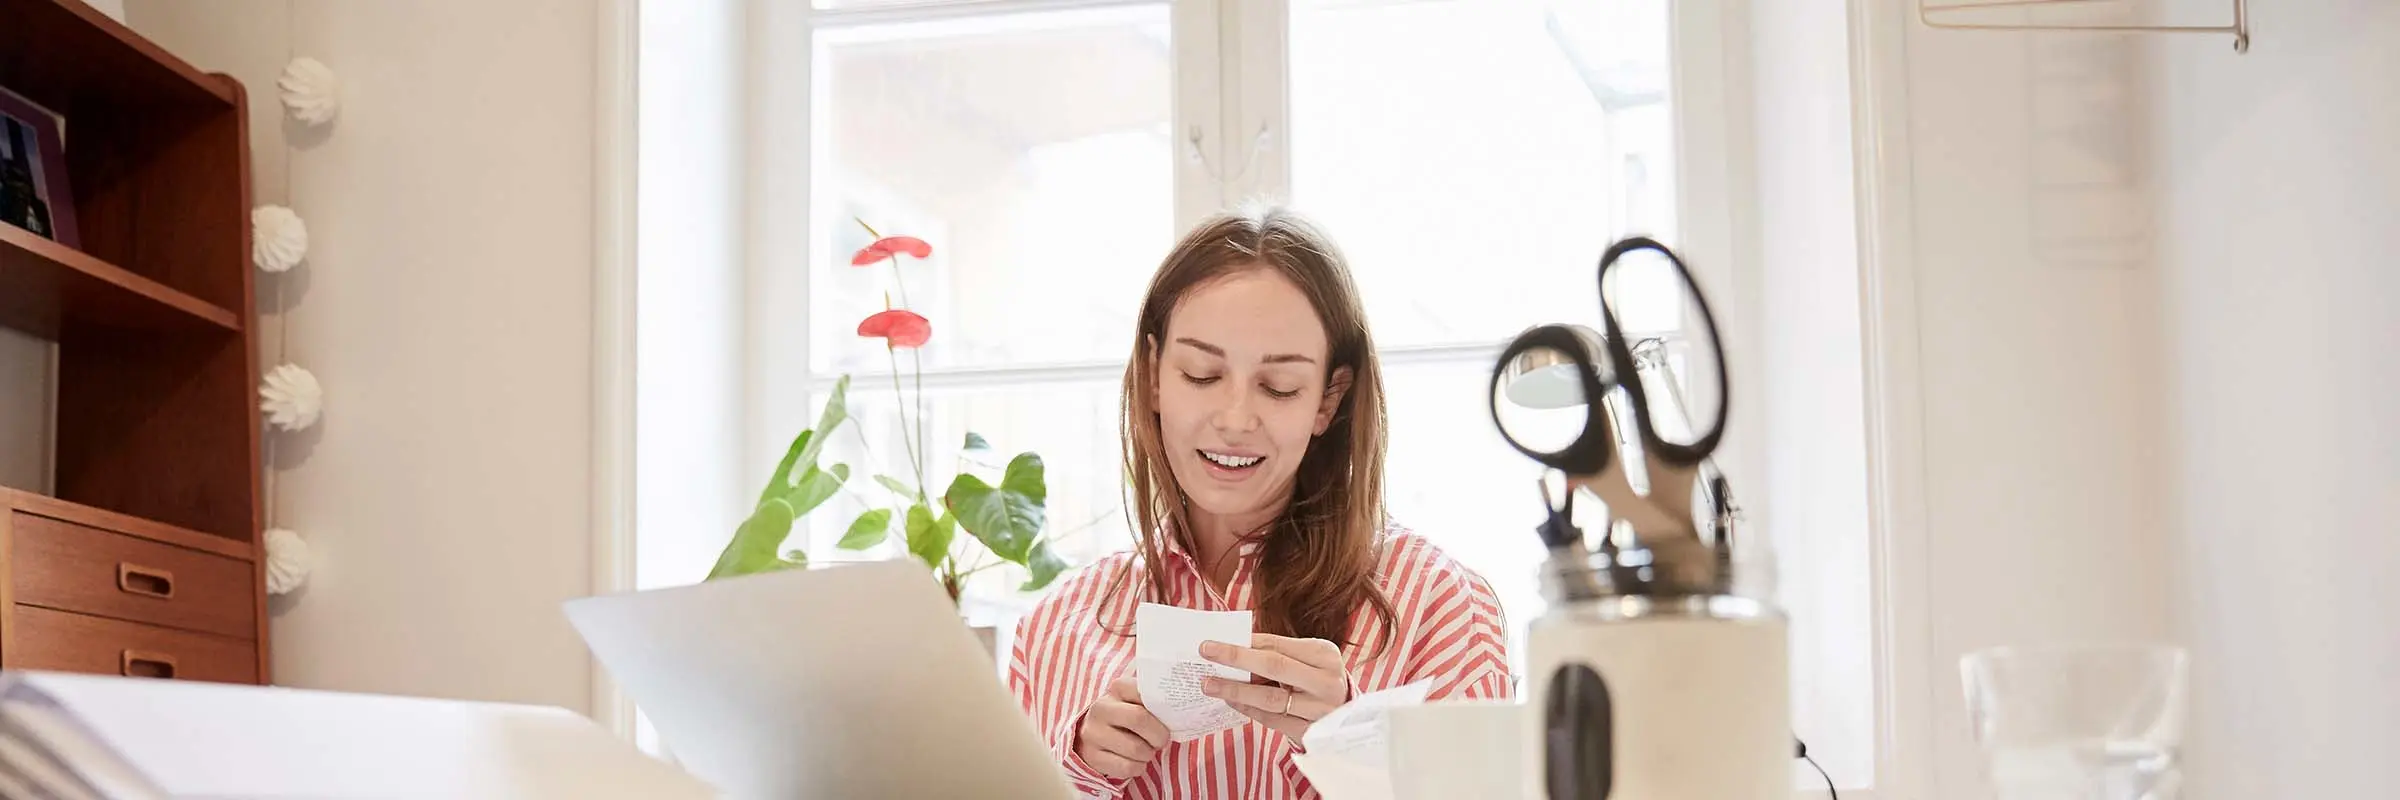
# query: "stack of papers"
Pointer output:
{"type": "Point", "coordinates": [1169, 669]}
{"type": "Point", "coordinates": [1349, 751]}
{"type": "Point", "coordinates": [85, 737]}
{"type": "Point", "coordinates": [45, 751]}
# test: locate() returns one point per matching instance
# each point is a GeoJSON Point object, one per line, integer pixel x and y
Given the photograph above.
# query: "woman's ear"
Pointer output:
{"type": "Point", "coordinates": [1335, 390]}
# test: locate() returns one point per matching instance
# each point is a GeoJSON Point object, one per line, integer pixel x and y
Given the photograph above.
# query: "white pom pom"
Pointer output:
{"type": "Point", "coordinates": [278, 239]}
{"type": "Point", "coordinates": [291, 398]}
{"type": "Point", "coordinates": [311, 92]}
{"type": "Point", "coordinates": [287, 561]}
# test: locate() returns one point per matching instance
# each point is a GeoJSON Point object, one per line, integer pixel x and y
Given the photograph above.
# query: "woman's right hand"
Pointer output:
{"type": "Point", "coordinates": [1119, 736]}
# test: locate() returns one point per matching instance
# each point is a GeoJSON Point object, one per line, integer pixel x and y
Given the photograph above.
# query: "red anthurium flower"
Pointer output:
{"type": "Point", "coordinates": [889, 246]}
{"type": "Point", "coordinates": [900, 326]}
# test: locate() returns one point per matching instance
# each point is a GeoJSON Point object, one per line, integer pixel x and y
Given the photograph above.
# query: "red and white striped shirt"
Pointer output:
{"type": "Point", "coordinates": [1449, 629]}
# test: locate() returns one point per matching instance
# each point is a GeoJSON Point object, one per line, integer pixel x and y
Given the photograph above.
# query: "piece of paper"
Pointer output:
{"type": "Point", "coordinates": [1168, 667]}
{"type": "Point", "coordinates": [136, 739]}
{"type": "Point", "coordinates": [1360, 730]}
{"type": "Point", "coordinates": [1338, 779]}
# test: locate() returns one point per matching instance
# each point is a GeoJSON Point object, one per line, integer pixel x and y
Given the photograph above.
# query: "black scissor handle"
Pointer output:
{"type": "Point", "coordinates": [1686, 453]}
{"type": "Point", "coordinates": [1592, 448]}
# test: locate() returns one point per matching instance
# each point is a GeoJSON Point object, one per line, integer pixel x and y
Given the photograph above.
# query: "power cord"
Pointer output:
{"type": "Point", "coordinates": [1800, 751]}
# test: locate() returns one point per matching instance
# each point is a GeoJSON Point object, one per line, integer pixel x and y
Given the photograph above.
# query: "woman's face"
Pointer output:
{"type": "Point", "coordinates": [1242, 390]}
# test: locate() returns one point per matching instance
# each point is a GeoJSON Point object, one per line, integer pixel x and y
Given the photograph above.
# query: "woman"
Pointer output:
{"type": "Point", "coordinates": [1254, 445]}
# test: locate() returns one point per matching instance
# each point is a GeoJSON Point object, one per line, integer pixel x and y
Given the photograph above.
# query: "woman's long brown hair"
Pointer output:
{"type": "Point", "coordinates": [1317, 560]}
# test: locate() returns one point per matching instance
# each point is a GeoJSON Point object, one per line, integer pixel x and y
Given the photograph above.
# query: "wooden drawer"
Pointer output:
{"type": "Point", "coordinates": [57, 640]}
{"type": "Point", "coordinates": [72, 567]}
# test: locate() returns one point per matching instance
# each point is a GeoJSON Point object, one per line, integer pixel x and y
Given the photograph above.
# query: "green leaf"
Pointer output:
{"type": "Point", "coordinates": [1008, 517]}
{"type": "Point", "coordinates": [781, 482]}
{"type": "Point", "coordinates": [796, 557]}
{"type": "Point", "coordinates": [806, 446]}
{"type": "Point", "coordinates": [816, 486]}
{"type": "Point", "coordinates": [837, 409]}
{"type": "Point", "coordinates": [810, 443]}
{"type": "Point", "coordinates": [753, 547]}
{"type": "Point", "coordinates": [898, 486]}
{"type": "Point", "coordinates": [869, 530]}
{"type": "Point", "coordinates": [1044, 565]}
{"type": "Point", "coordinates": [975, 441]}
{"type": "Point", "coordinates": [928, 536]}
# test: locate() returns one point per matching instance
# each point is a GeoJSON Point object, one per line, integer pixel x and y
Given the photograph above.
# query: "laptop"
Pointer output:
{"type": "Point", "coordinates": [853, 681]}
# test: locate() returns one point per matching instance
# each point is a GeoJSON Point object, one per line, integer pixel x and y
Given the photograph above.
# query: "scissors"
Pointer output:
{"type": "Point", "coordinates": [1592, 460]}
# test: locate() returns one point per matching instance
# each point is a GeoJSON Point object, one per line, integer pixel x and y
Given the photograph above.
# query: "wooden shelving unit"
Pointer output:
{"type": "Point", "coordinates": [147, 560]}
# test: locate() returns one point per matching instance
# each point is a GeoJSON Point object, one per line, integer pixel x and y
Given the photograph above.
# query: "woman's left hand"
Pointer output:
{"type": "Point", "coordinates": [1309, 677]}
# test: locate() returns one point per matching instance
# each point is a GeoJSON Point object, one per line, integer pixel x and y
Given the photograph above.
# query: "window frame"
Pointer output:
{"type": "Point", "coordinates": [1716, 212]}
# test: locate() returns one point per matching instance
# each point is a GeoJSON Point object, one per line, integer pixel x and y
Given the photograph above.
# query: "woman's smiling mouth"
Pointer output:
{"type": "Point", "coordinates": [1230, 464]}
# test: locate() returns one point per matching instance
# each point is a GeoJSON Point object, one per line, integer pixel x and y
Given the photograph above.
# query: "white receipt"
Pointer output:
{"type": "Point", "coordinates": [1360, 731]}
{"type": "Point", "coordinates": [1168, 666]}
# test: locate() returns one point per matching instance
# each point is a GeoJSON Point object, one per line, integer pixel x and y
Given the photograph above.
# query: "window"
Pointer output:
{"type": "Point", "coordinates": [1472, 158]}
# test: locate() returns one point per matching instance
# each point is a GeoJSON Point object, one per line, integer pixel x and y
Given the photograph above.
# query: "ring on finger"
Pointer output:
{"type": "Point", "coordinates": [1287, 702]}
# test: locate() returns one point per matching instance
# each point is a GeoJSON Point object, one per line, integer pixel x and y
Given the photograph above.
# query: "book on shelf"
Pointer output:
{"type": "Point", "coordinates": [34, 192]}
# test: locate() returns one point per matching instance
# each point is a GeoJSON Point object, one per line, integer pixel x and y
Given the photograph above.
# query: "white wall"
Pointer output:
{"type": "Point", "coordinates": [113, 8]}
{"type": "Point", "coordinates": [2156, 315]}
{"type": "Point", "coordinates": [2280, 172]}
{"type": "Point", "coordinates": [2022, 191]}
{"type": "Point", "coordinates": [446, 306]}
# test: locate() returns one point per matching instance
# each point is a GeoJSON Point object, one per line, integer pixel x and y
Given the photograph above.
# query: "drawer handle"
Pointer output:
{"type": "Point", "coordinates": [142, 664]}
{"type": "Point", "coordinates": [144, 581]}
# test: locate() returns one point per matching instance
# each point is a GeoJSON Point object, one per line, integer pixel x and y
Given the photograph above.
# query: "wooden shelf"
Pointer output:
{"type": "Point", "coordinates": [156, 437]}
{"type": "Point", "coordinates": [81, 514]}
{"type": "Point", "coordinates": [50, 284]}
{"type": "Point", "coordinates": [70, 57]}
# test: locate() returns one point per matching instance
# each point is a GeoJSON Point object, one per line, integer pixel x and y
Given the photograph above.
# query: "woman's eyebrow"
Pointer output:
{"type": "Point", "coordinates": [1279, 358]}
{"type": "Point", "coordinates": [1201, 346]}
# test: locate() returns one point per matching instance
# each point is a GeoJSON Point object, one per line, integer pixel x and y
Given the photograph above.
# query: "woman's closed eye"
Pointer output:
{"type": "Point", "coordinates": [1280, 394]}
{"type": "Point", "coordinates": [1200, 380]}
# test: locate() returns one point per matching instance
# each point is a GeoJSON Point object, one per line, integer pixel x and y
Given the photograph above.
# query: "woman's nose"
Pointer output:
{"type": "Point", "coordinates": [1236, 415]}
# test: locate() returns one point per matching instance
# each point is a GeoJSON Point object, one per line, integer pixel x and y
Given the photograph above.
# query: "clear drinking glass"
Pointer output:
{"type": "Point", "coordinates": [2079, 722]}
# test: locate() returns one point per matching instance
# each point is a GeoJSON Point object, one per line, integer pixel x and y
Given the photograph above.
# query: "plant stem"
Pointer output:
{"type": "Point", "coordinates": [1095, 521]}
{"type": "Point", "coordinates": [914, 464]}
{"type": "Point", "coordinates": [899, 284]}
{"type": "Point", "coordinates": [916, 363]}
{"type": "Point", "coordinates": [916, 369]}
{"type": "Point", "coordinates": [979, 568]}
{"type": "Point", "coordinates": [866, 450]}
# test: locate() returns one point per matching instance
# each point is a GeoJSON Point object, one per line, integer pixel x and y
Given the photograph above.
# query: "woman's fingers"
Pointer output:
{"type": "Point", "coordinates": [1317, 653]}
{"type": "Point", "coordinates": [1290, 726]}
{"type": "Point", "coordinates": [1330, 680]}
{"type": "Point", "coordinates": [1119, 742]}
{"type": "Point", "coordinates": [1119, 737]}
{"type": "Point", "coordinates": [1113, 765]}
{"type": "Point", "coordinates": [1134, 720]}
{"type": "Point", "coordinates": [1258, 696]}
{"type": "Point", "coordinates": [1268, 699]}
{"type": "Point", "coordinates": [1271, 665]}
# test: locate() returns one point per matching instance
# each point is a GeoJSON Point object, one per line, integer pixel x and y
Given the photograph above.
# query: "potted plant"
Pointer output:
{"type": "Point", "coordinates": [1003, 515]}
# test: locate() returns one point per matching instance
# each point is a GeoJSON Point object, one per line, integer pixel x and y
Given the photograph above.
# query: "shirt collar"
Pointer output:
{"type": "Point", "coordinates": [1176, 554]}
